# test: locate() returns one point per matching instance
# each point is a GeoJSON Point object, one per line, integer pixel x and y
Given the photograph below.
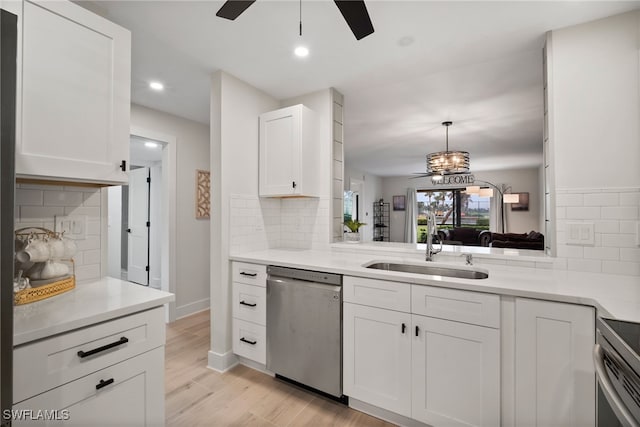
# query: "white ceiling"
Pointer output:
{"type": "Point", "coordinates": [476, 63]}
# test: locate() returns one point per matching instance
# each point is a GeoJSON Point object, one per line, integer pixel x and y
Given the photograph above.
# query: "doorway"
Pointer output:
{"type": "Point", "coordinates": [163, 216]}
{"type": "Point", "coordinates": [134, 220]}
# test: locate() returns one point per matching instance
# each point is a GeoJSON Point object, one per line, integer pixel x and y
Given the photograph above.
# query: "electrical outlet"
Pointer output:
{"type": "Point", "coordinates": [74, 227]}
{"type": "Point", "coordinates": [580, 233]}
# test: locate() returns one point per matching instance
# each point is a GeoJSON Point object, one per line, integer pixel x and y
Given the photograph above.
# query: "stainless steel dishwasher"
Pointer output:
{"type": "Point", "coordinates": [304, 328]}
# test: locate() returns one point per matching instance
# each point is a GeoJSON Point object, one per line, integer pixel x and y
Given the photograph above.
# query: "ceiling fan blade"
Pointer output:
{"type": "Point", "coordinates": [356, 15]}
{"type": "Point", "coordinates": [231, 9]}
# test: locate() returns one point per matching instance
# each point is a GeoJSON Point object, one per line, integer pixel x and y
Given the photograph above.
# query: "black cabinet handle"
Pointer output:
{"type": "Point", "coordinates": [242, 273]}
{"type": "Point", "coordinates": [243, 339]}
{"type": "Point", "coordinates": [417, 331]}
{"type": "Point", "coordinates": [104, 383]}
{"type": "Point", "coordinates": [128, 230]}
{"type": "Point", "coordinates": [404, 328]}
{"type": "Point", "coordinates": [293, 184]}
{"type": "Point", "coordinates": [123, 166]}
{"type": "Point", "coordinates": [121, 341]}
{"type": "Point", "coordinates": [247, 304]}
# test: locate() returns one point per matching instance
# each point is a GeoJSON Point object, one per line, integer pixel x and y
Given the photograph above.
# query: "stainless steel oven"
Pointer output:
{"type": "Point", "coordinates": [617, 362]}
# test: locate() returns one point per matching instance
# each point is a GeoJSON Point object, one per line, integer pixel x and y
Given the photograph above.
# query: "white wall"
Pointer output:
{"type": "Point", "coordinates": [521, 180]}
{"type": "Point", "coordinates": [596, 104]}
{"type": "Point", "coordinates": [235, 107]}
{"type": "Point", "coordinates": [192, 235]}
{"type": "Point", "coordinates": [372, 192]}
{"type": "Point", "coordinates": [596, 150]}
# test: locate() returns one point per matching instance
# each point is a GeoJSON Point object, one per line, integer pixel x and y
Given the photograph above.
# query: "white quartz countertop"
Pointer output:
{"type": "Point", "coordinates": [614, 296]}
{"type": "Point", "coordinates": [87, 304]}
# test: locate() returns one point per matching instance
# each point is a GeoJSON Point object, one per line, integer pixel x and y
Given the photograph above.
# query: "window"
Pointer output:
{"type": "Point", "coordinates": [453, 208]}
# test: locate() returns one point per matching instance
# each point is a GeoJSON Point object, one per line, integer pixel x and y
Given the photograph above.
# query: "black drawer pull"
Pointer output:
{"type": "Point", "coordinates": [417, 331]}
{"type": "Point", "coordinates": [242, 273]}
{"type": "Point", "coordinates": [243, 339]}
{"type": "Point", "coordinates": [104, 383]}
{"type": "Point", "coordinates": [121, 341]}
{"type": "Point", "coordinates": [404, 328]}
{"type": "Point", "coordinates": [248, 304]}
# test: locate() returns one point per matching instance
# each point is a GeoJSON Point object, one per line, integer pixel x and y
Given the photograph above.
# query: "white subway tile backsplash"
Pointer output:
{"type": "Point", "coordinates": [602, 253]}
{"type": "Point", "coordinates": [63, 198]}
{"type": "Point", "coordinates": [630, 254]}
{"type": "Point", "coordinates": [587, 265]}
{"type": "Point", "coordinates": [607, 226]}
{"type": "Point", "coordinates": [618, 240]}
{"type": "Point", "coordinates": [25, 197]}
{"type": "Point", "coordinates": [39, 213]}
{"type": "Point", "coordinates": [621, 267]}
{"type": "Point", "coordinates": [620, 212]}
{"type": "Point", "coordinates": [38, 204]}
{"type": "Point", "coordinates": [601, 199]}
{"type": "Point", "coordinates": [91, 211]}
{"type": "Point", "coordinates": [568, 199]}
{"type": "Point", "coordinates": [568, 251]}
{"type": "Point", "coordinates": [630, 199]}
{"type": "Point", "coordinates": [583, 212]}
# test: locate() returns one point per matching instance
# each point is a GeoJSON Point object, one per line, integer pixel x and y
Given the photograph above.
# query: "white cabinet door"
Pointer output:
{"type": "Point", "coordinates": [456, 373]}
{"type": "Point", "coordinates": [138, 231]}
{"type": "Point", "coordinates": [554, 374]}
{"type": "Point", "coordinates": [128, 393]}
{"type": "Point", "coordinates": [377, 357]}
{"type": "Point", "coordinates": [74, 95]}
{"type": "Point", "coordinates": [289, 153]}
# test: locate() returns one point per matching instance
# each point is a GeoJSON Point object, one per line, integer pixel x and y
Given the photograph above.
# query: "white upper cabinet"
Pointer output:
{"type": "Point", "coordinates": [289, 153]}
{"type": "Point", "coordinates": [74, 79]}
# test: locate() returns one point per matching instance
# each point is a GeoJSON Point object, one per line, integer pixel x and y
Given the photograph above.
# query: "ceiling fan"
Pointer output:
{"type": "Point", "coordinates": [354, 12]}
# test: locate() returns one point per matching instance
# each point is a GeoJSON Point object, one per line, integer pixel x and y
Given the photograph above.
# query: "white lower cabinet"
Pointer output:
{"type": "Point", "coordinates": [437, 371]}
{"type": "Point", "coordinates": [377, 357]}
{"type": "Point", "coordinates": [455, 373]}
{"type": "Point", "coordinates": [128, 393]}
{"type": "Point", "coordinates": [554, 373]}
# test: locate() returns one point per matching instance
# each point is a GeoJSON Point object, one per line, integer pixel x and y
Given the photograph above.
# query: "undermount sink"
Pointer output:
{"type": "Point", "coordinates": [430, 269]}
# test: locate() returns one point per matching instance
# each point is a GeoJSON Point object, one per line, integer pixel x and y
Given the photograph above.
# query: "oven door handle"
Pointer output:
{"type": "Point", "coordinates": [617, 405]}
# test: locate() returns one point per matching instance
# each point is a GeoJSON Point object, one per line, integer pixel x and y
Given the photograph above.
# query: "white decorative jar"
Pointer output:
{"type": "Point", "coordinates": [352, 237]}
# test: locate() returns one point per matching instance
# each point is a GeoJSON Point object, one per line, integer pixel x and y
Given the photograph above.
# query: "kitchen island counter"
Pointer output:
{"type": "Point", "coordinates": [87, 304]}
{"type": "Point", "coordinates": [615, 296]}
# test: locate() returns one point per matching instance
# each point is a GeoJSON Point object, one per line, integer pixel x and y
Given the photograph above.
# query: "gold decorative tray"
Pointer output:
{"type": "Point", "coordinates": [26, 296]}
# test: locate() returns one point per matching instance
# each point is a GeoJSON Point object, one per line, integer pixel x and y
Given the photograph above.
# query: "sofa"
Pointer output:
{"type": "Point", "coordinates": [531, 240]}
{"type": "Point", "coordinates": [464, 236]}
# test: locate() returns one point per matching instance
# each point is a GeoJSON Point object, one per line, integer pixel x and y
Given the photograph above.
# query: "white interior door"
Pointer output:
{"type": "Point", "coordinates": [138, 232]}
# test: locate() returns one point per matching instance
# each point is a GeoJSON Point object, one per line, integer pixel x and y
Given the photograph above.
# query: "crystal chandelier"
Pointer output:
{"type": "Point", "coordinates": [447, 162]}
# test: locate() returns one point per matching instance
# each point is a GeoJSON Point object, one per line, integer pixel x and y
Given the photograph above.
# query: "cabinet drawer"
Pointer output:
{"type": "Point", "coordinates": [475, 308]}
{"type": "Point", "coordinates": [249, 303]}
{"type": "Point", "coordinates": [249, 340]}
{"type": "Point", "coordinates": [377, 293]}
{"type": "Point", "coordinates": [251, 274]}
{"type": "Point", "coordinates": [130, 393]}
{"type": "Point", "coordinates": [48, 363]}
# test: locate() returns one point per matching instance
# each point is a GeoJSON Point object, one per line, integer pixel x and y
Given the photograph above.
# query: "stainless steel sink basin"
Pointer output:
{"type": "Point", "coordinates": [430, 269]}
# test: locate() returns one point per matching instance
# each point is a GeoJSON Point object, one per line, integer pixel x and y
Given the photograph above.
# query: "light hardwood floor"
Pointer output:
{"type": "Point", "coordinates": [198, 396]}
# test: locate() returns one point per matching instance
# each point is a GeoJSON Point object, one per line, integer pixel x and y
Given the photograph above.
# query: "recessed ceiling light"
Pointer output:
{"type": "Point", "coordinates": [150, 144]}
{"type": "Point", "coordinates": [156, 85]}
{"type": "Point", "coordinates": [301, 51]}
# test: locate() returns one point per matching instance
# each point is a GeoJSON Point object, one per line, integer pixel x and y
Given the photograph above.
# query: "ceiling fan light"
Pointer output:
{"type": "Point", "coordinates": [486, 192]}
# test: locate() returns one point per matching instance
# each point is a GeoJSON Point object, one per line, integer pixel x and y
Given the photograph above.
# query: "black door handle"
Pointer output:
{"type": "Point", "coordinates": [404, 328]}
{"type": "Point", "coordinates": [104, 383]}
{"type": "Point", "coordinates": [417, 330]}
{"type": "Point", "coordinates": [242, 273]}
{"type": "Point", "coordinates": [128, 230]}
{"type": "Point", "coordinates": [122, 340]}
{"type": "Point", "coordinates": [247, 304]}
{"type": "Point", "coordinates": [243, 339]}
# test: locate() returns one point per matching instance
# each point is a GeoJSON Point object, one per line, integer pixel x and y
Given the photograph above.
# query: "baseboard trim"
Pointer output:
{"type": "Point", "coordinates": [221, 362]}
{"type": "Point", "coordinates": [192, 308]}
{"type": "Point", "coordinates": [383, 414]}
